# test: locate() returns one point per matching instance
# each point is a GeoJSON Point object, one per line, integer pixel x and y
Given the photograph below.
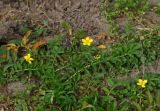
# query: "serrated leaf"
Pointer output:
{"type": "Point", "coordinates": [65, 25]}
{"type": "Point", "coordinates": [137, 106]}
{"type": "Point", "coordinates": [87, 105]}
{"type": "Point", "coordinates": [12, 47]}
{"type": "Point", "coordinates": [25, 39]}
{"type": "Point", "coordinates": [24, 29]}
{"type": "Point", "coordinates": [150, 98]}
{"type": "Point", "coordinates": [79, 34]}
{"type": "Point", "coordinates": [45, 22]}
{"type": "Point", "coordinates": [38, 32]}
{"type": "Point", "coordinates": [158, 98]}
{"type": "Point", "coordinates": [38, 43]}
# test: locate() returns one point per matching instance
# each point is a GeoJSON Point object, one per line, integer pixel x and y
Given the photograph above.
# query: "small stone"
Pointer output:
{"type": "Point", "coordinates": [141, 38]}
{"type": "Point", "coordinates": [15, 87]}
{"type": "Point", "coordinates": [2, 109]}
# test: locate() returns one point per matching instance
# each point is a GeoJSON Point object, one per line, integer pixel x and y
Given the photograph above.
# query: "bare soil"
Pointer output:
{"type": "Point", "coordinates": [83, 14]}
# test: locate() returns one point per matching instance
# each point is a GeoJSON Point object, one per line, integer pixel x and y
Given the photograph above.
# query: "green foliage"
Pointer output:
{"type": "Point", "coordinates": [65, 25]}
{"type": "Point", "coordinates": [66, 76]}
{"type": "Point", "coordinates": [125, 56]}
{"type": "Point", "coordinates": [117, 8]}
{"type": "Point", "coordinates": [40, 30]}
{"type": "Point", "coordinates": [158, 9]}
{"type": "Point", "coordinates": [149, 103]}
{"type": "Point", "coordinates": [21, 105]}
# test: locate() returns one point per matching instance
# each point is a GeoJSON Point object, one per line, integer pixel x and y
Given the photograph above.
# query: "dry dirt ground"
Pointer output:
{"type": "Point", "coordinates": [82, 14]}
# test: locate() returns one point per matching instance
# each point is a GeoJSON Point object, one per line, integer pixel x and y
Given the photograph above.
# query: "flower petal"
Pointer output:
{"type": "Point", "coordinates": [88, 44]}
{"type": "Point", "coordinates": [28, 55]}
{"type": "Point", "coordinates": [143, 86]}
{"type": "Point", "coordinates": [140, 81]}
{"type": "Point", "coordinates": [84, 43]}
{"type": "Point", "coordinates": [83, 40]}
{"type": "Point", "coordinates": [138, 84]}
{"type": "Point", "coordinates": [25, 57]}
{"type": "Point", "coordinates": [145, 81]}
{"type": "Point", "coordinates": [31, 59]}
{"type": "Point", "coordinates": [87, 38]}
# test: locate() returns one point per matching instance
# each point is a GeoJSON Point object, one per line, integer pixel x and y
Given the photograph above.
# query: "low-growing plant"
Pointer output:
{"type": "Point", "coordinates": [116, 8]}
{"type": "Point", "coordinates": [70, 73]}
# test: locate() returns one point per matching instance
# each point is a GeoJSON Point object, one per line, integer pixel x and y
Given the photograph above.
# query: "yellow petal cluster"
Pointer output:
{"type": "Point", "coordinates": [28, 58]}
{"type": "Point", "coordinates": [142, 83]}
{"type": "Point", "coordinates": [87, 41]}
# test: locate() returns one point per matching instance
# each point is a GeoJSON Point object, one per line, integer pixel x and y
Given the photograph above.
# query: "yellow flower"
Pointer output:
{"type": "Point", "coordinates": [142, 83]}
{"type": "Point", "coordinates": [28, 58]}
{"type": "Point", "coordinates": [87, 41]}
{"type": "Point", "coordinates": [97, 56]}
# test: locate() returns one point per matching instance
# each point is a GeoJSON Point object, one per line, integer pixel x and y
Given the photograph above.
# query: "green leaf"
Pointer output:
{"type": "Point", "coordinates": [65, 25]}
{"type": "Point", "coordinates": [25, 28]}
{"type": "Point", "coordinates": [137, 106]}
{"type": "Point", "coordinates": [150, 98]}
{"type": "Point", "coordinates": [45, 22]}
{"type": "Point", "coordinates": [87, 105]}
{"type": "Point", "coordinates": [158, 98]}
{"type": "Point", "coordinates": [21, 105]}
{"type": "Point", "coordinates": [38, 32]}
{"type": "Point", "coordinates": [3, 53]}
{"type": "Point", "coordinates": [79, 34]}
